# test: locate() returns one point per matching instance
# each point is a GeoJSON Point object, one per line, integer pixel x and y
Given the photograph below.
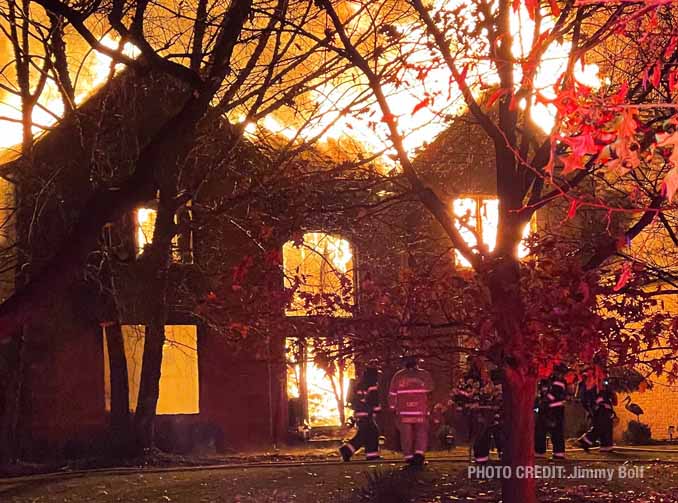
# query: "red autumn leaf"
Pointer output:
{"type": "Point", "coordinates": [537, 45]}
{"type": "Point", "coordinates": [669, 140]}
{"type": "Point", "coordinates": [670, 184]}
{"type": "Point", "coordinates": [531, 7]}
{"type": "Point", "coordinates": [571, 163]}
{"type": "Point", "coordinates": [627, 125]}
{"type": "Point", "coordinates": [673, 81]}
{"type": "Point", "coordinates": [656, 74]}
{"type": "Point", "coordinates": [495, 96]}
{"type": "Point", "coordinates": [573, 209]}
{"type": "Point", "coordinates": [464, 71]}
{"type": "Point", "coordinates": [645, 78]}
{"type": "Point", "coordinates": [422, 104]}
{"type": "Point", "coordinates": [555, 10]}
{"type": "Point", "coordinates": [582, 145]}
{"type": "Point", "coordinates": [620, 96]}
{"type": "Point", "coordinates": [624, 277]}
{"type": "Point", "coordinates": [671, 47]}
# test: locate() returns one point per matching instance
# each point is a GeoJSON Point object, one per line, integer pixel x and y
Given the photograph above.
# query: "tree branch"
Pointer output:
{"type": "Point", "coordinates": [610, 246]}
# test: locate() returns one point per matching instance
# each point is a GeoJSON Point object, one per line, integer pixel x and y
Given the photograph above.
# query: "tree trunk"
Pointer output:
{"type": "Point", "coordinates": [342, 393]}
{"type": "Point", "coordinates": [157, 259]}
{"type": "Point", "coordinates": [303, 384]}
{"type": "Point", "coordinates": [149, 386]}
{"type": "Point", "coordinates": [519, 389]}
{"type": "Point", "coordinates": [120, 416]}
{"type": "Point", "coordinates": [520, 381]}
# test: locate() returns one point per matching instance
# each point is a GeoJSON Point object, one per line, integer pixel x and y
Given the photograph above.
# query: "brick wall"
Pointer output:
{"type": "Point", "coordinates": [660, 403]}
{"type": "Point", "coordinates": [660, 407]}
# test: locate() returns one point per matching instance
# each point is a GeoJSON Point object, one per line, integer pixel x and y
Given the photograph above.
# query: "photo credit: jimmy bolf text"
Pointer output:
{"type": "Point", "coordinates": [555, 472]}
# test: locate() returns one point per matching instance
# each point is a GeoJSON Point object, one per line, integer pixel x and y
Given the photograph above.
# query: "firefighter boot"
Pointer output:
{"type": "Point", "coordinates": [346, 452]}
{"type": "Point", "coordinates": [584, 443]}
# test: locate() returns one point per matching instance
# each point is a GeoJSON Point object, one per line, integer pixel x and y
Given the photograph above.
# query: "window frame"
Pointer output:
{"type": "Point", "coordinates": [134, 334]}
{"type": "Point", "coordinates": [296, 313]}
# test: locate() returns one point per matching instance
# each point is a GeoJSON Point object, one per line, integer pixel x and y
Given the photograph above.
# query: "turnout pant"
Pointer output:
{"type": "Point", "coordinates": [481, 446]}
{"type": "Point", "coordinates": [497, 434]}
{"type": "Point", "coordinates": [483, 436]}
{"type": "Point", "coordinates": [601, 429]}
{"type": "Point", "coordinates": [413, 437]}
{"type": "Point", "coordinates": [367, 436]}
{"type": "Point", "coordinates": [550, 422]}
{"type": "Point", "coordinates": [483, 428]}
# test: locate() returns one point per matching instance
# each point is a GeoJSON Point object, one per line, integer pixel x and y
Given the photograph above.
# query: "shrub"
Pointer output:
{"type": "Point", "coordinates": [388, 486]}
{"type": "Point", "coordinates": [637, 433]}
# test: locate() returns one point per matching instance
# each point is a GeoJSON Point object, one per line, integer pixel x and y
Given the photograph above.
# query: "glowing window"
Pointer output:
{"type": "Point", "coordinates": [479, 216]}
{"type": "Point", "coordinates": [145, 225]}
{"type": "Point", "coordinates": [319, 385]}
{"type": "Point", "coordinates": [179, 389]}
{"type": "Point", "coordinates": [320, 269]}
{"type": "Point", "coordinates": [182, 242]}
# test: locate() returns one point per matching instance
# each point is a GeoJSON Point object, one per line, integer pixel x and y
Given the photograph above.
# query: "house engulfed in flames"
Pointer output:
{"type": "Point", "coordinates": [293, 379]}
{"type": "Point", "coordinates": [212, 392]}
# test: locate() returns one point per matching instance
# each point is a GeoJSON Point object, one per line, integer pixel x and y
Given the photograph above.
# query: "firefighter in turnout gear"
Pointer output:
{"type": "Point", "coordinates": [587, 397]}
{"type": "Point", "coordinates": [550, 414]}
{"type": "Point", "coordinates": [479, 398]}
{"type": "Point", "coordinates": [602, 418]}
{"type": "Point", "coordinates": [364, 400]}
{"type": "Point", "coordinates": [408, 397]}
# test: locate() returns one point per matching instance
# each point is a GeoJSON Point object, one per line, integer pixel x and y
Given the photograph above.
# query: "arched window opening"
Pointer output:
{"type": "Point", "coordinates": [319, 271]}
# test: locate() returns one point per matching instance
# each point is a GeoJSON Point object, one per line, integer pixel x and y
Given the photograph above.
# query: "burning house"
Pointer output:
{"type": "Point", "coordinates": [274, 299]}
{"type": "Point", "coordinates": [243, 364]}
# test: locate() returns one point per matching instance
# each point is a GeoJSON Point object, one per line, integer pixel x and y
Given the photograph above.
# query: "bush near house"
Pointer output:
{"type": "Point", "coordinates": [637, 433]}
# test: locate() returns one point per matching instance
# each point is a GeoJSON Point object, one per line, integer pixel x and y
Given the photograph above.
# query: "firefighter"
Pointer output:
{"type": "Point", "coordinates": [479, 398]}
{"type": "Point", "coordinates": [364, 400]}
{"type": "Point", "coordinates": [602, 418]}
{"type": "Point", "coordinates": [587, 394]}
{"type": "Point", "coordinates": [550, 414]}
{"type": "Point", "coordinates": [408, 397]}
